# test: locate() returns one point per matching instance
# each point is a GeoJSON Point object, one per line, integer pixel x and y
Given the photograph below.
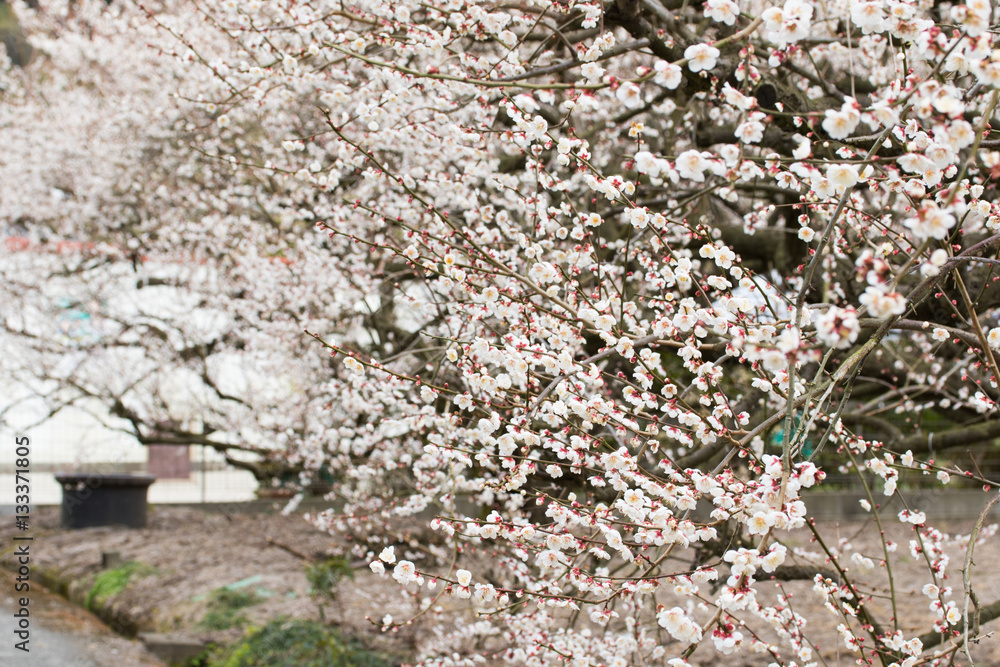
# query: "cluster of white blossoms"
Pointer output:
{"type": "Point", "coordinates": [838, 327]}
{"type": "Point", "coordinates": [788, 23]}
{"type": "Point", "coordinates": [594, 292]}
{"type": "Point", "coordinates": [680, 626]}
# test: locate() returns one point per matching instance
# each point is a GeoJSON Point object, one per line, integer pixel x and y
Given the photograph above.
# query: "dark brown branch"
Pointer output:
{"type": "Point", "coordinates": [956, 437]}
{"type": "Point", "coordinates": [798, 572]}
{"type": "Point", "coordinates": [882, 425]}
{"type": "Point", "coordinates": [182, 439]}
{"type": "Point", "coordinates": [575, 62]}
{"type": "Point", "coordinates": [292, 550]}
{"type": "Point", "coordinates": [927, 327]}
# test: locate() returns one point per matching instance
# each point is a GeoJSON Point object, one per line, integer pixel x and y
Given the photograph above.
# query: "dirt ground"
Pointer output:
{"type": "Point", "coordinates": [192, 553]}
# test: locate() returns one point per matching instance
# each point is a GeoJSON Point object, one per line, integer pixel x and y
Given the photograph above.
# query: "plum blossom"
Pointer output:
{"type": "Point", "coordinates": [647, 163]}
{"type": "Point", "coordinates": [751, 131]}
{"type": "Point", "coordinates": [638, 217]}
{"type": "Point", "coordinates": [759, 523]}
{"type": "Point", "coordinates": [869, 16]}
{"type": "Point", "coordinates": [691, 165]}
{"type": "Point", "coordinates": [701, 57]}
{"type": "Point", "coordinates": [843, 177]}
{"type": "Point", "coordinates": [592, 71]}
{"type": "Point", "coordinates": [881, 303]}
{"type": "Point", "coordinates": [787, 24]}
{"type": "Point", "coordinates": [668, 75]}
{"type": "Point", "coordinates": [774, 558]}
{"type": "Point", "coordinates": [722, 11]}
{"type": "Point", "coordinates": [774, 360]}
{"type": "Point", "coordinates": [679, 625]}
{"type": "Point", "coordinates": [404, 572]}
{"type": "Point", "coordinates": [556, 314]}
{"type": "Point", "coordinates": [838, 327]}
{"type": "Point", "coordinates": [993, 338]}
{"type": "Point", "coordinates": [354, 366]}
{"type": "Point", "coordinates": [630, 95]}
{"type": "Point", "coordinates": [931, 222]}
{"type": "Point", "coordinates": [916, 518]}
{"type": "Point", "coordinates": [841, 123]}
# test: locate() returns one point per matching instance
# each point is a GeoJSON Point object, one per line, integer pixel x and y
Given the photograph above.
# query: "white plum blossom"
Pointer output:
{"type": "Point", "coordinates": [774, 360]}
{"type": "Point", "coordinates": [842, 176]}
{"type": "Point", "coordinates": [535, 284]}
{"type": "Point", "coordinates": [404, 572]}
{"type": "Point", "coordinates": [931, 222]}
{"type": "Point", "coordinates": [881, 303]}
{"type": "Point", "coordinates": [701, 57]}
{"type": "Point", "coordinates": [691, 165]}
{"type": "Point", "coordinates": [869, 16]}
{"type": "Point", "coordinates": [679, 625]}
{"type": "Point", "coordinates": [647, 163]}
{"type": "Point", "coordinates": [916, 518]}
{"type": "Point", "coordinates": [354, 366]}
{"type": "Point", "coordinates": [592, 71]}
{"type": "Point", "coordinates": [838, 327]}
{"type": "Point", "coordinates": [788, 24]}
{"type": "Point", "coordinates": [638, 217]}
{"type": "Point", "coordinates": [751, 131]}
{"type": "Point", "coordinates": [722, 11]}
{"type": "Point", "coordinates": [774, 558]}
{"type": "Point", "coordinates": [668, 75]}
{"type": "Point", "coordinates": [630, 95]}
{"type": "Point", "coordinates": [841, 123]}
{"type": "Point", "coordinates": [994, 338]}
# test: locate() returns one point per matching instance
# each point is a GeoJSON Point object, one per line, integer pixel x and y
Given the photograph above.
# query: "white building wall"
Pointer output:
{"type": "Point", "coordinates": [75, 440]}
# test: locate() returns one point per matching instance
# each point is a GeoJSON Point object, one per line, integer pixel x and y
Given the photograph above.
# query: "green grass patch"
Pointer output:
{"type": "Point", "coordinates": [295, 643]}
{"type": "Point", "coordinates": [323, 576]}
{"type": "Point", "coordinates": [109, 583]}
{"type": "Point", "coordinates": [225, 608]}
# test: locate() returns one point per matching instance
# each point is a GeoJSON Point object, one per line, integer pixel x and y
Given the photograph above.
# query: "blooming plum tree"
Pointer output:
{"type": "Point", "coordinates": [177, 319]}
{"type": "Point", "coordinates": [642, 272]}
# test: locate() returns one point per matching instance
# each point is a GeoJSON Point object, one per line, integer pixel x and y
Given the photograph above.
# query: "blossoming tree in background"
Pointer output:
{"type": "Point", "coordinates": [644, 271]}
{"type": "Point", "coordinates": [141, 281]}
